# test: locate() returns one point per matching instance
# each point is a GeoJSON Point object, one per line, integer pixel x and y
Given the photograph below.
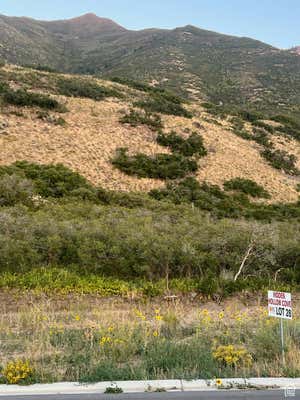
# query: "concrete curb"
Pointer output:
{"type": "Point", "coordinates": [143, 386]}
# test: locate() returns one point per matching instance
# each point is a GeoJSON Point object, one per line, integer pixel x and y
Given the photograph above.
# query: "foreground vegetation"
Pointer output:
{"type": "Point", "coordinates": [85, 340]}
{"type": "Point", "coordinates": [53, 220]}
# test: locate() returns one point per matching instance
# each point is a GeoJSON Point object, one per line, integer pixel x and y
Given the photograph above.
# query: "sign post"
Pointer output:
{"type": "Point", "coordinates": [280, 306]}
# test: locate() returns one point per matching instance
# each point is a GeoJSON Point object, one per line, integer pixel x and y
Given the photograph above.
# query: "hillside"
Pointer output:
{"type": "Point", "coordinates": [91, 133]}
{"type": "Point", "coordinates": [192, 61]}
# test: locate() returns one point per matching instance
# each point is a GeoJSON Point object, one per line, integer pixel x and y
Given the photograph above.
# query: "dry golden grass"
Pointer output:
{"type": "Point", "coordinates": [93, 133]}
{"type": "Point", "coordinates": [230, 156]}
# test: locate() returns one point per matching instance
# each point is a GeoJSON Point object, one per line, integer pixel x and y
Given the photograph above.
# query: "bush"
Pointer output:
{"type": "Point", "coordinates": [160, 166]}
{"type": "Point", "coordinates": [247, 186]}
{"type": "Point", "coordinates": [23, 98]}
{"type": "Point", "coordinates": [3, 87]}
{"type": "Point", "coordinates": [15, 189]}
{"type": "Point", "coordinates": [18, 372]}
{"type": "Point", "coordinates": [286, 120]}
{"type": "Point", "coordinates": [264, 125]}
{"type": "Point", "coordinates": [220, 204]}
{"type": "Point", "coordinates": [113, 390]}
{"type": "Point", "coordinates": [152, 90]}
{"type": "Point", "coordinates": [281, 159]}
{"type": "Point", "coordinates": [242, 134]}
{"type": "Point", "coordinates": [43, 68]}
{"type": "Point", "coordinates": [261, 137]}
{"type": "Point", "coordinates": [85, 88]}
{"type": "Point", "coordinates": [250, 116]}
{"type": "Point", "coordinates": [165, 105]}
{"type": "Point", "coordinates": [48, 180]}
{"type": "Point", "coordinates": [135, 118]}
{"type": "Point", "coordinates": [187, 147]}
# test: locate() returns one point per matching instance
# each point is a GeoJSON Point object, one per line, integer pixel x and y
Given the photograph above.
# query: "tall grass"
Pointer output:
{"type": "Point", "coordinates": [70, 339]}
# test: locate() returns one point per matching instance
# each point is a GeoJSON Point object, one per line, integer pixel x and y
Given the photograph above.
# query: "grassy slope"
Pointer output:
{"type": "Point", "coordinates": [93, 132]}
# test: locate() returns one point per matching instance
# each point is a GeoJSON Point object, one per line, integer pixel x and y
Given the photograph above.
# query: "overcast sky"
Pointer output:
{"type": "Point", "coordinates": [276, 22]}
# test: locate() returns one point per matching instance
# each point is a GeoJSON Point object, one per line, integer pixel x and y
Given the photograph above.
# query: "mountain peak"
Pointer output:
{"type": "Point", "coordinates": [91, 18]}
{"type": "Point", "coordinates": [86, 25]}
{"type": "Point", "coordinates": [88, 17]}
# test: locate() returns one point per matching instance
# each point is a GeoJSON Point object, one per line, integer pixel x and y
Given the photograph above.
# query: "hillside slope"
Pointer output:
{"type": "Point", "coordinates": [193, 61]}
{"type": "Point", "coordinates": [92, 133]}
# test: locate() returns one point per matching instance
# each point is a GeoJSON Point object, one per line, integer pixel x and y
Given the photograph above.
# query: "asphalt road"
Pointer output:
{"type": "Point", "coordinates": [222, 395]}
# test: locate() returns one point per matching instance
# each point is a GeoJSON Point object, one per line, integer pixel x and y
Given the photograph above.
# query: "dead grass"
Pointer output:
{"type": "Point", "coordinates": [93, 133]}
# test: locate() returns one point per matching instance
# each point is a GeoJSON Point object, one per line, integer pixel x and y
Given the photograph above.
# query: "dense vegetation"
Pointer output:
{"type": "Point", "coordinates": [23, 98]}
{"type": "Point", "coordinates": [221, 204]}
{"type": "Point", "coordinates": [160, 166]}
{"type": "Point", "coordinates": [159, 103]}
{"type": "Point", "coordinates": [83, 230]}
{"type": "Point", "coordinates": [247, 186]}
{"type": "Point", "coordinates": [78, 87]}
{"type": "Point", "coordinates": [48, 180]}
{"type": "Point", "coordinates": [193, 145]}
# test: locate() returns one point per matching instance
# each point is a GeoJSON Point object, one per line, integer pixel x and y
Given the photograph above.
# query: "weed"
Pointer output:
{"type": "Point", "coordinates": [113, 390]}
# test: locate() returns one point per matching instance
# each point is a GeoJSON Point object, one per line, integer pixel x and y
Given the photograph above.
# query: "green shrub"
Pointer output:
{"type": "Point", "coordinates": [188, 360]}
{"type": "Point", "coordinates": [160, 166]}
{"type": "Point", "coordinates": [152, 90]}
{"type": "Point", "coordinates": [4, 87]}
{"type": "Point", "coordinates": [280, 159]}
{"type": "Point", "coordinates": [187, 147]}
{"type": "Point", "coordinates": [15, 189]}
{"type": "Point", "coordinates": [43, 68]}
{"type": "Point", "coordinates": [2, 63]}
{"type": "Point", "coordinates": [242, 134]}
{"type": "Point", "coordinates": [49, 180]}
{"type": "Point", "coordinates": [247, 186]}
{"type": "Point", "coordinates": [204, 196]}
{"type": "Point", "coordinates": [261, 137]}
{"type": "Point", "coordinates": [161, 104]}
{"type": "Point", "coordinates": [250, 116]}
{"type": "Point", "coordinates": [141, 86]}
{"type": "Point", "coordinates": [113, 390]}
{"type": "Point", "coordinates": [85, 88]}
{"type": "Point", "coordinates": [220, 204]}
{"type": "Point", "coordinates": [135, 118]}
{"type": "Point", "coordinates": [286, 120]}
{"type": "Point", "coordinates": [264, 125]}
{"type": "Point", "coordinates": [289, 131]}
{"type": "Point", "coordinates": [23, 98]}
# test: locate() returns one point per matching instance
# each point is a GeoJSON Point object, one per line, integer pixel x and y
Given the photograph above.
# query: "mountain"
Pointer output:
{"type": "Point", "coordinates": [193, 62]}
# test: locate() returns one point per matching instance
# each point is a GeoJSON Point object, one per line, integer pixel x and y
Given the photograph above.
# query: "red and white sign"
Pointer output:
{"type": "Point", "coordinates": [280, 304]}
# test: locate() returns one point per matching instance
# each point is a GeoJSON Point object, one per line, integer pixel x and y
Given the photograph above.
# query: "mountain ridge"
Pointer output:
{"type": "Point", "coordinates": [195, 63]}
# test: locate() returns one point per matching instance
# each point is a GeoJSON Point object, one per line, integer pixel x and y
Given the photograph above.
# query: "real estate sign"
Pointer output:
{"type": "Point", "coordinates": [280, 304]}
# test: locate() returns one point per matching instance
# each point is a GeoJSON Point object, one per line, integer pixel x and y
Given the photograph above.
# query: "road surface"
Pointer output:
{"type": "Point", "coordinates": [208, 395]}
